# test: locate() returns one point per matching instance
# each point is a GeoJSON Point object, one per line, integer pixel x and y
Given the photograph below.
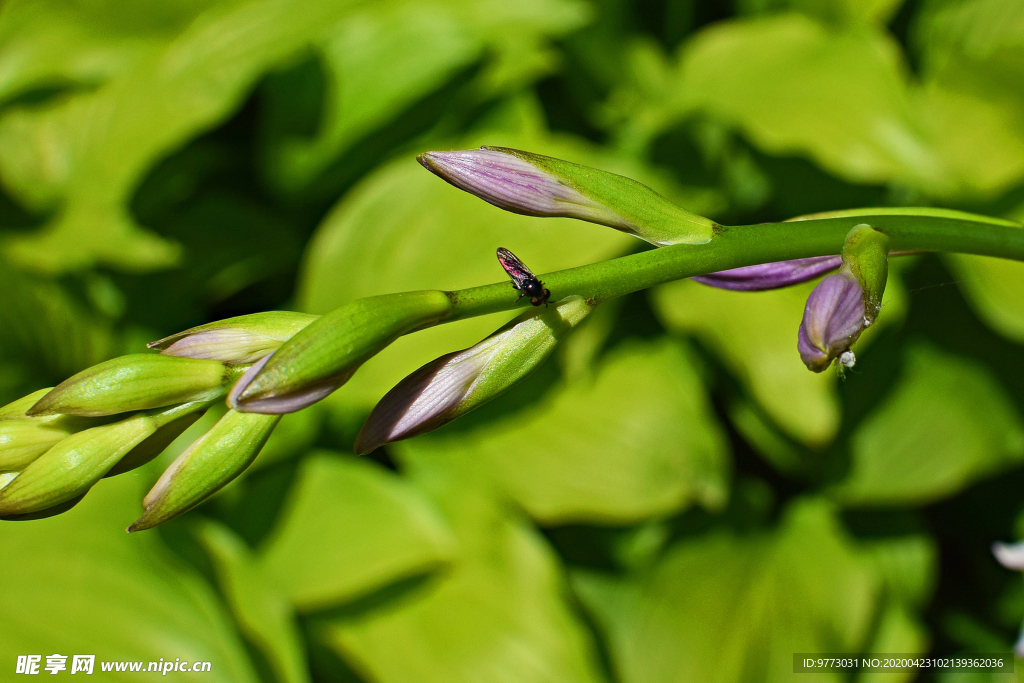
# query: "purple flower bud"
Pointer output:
{"type": "Point", "coordinates": [514, 184]}
{"type": "Point", "coordinates": [833, 320]}
{"type": "Point", "coordinates": [770, 275]}
{"type": "Point", "coordinates": [283, 404]}
{"type": "Point", "coordinates": [535, 185]}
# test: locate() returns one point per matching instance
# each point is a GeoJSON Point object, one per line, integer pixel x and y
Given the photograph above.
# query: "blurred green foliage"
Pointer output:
{"type": "Point", "coordinates": [672, 497]}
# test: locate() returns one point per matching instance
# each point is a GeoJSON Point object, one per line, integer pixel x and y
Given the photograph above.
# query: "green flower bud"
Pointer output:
{"type": "Point", "coordinates": [535, 185]}
{"type": "Point", "coordinates": [173, 424]}
{"type": "Point", "coordinates": [58, 509]}
{"type": "Point", "coordinates": [22, 440]}
{"type": "Point", "coordinates": [212, 461]}
{"type": "Point", "coordinates": [71, 467]}
{"type": "Point", "coordinates": [866, 255]}
{"type": "Point", "coordinates": [17, 409]}
{"type": "Point", "coordinates": [138, 381]}
{"type": "Point", "coordinates": [455, 384]}
{"type": "Point", "coordinates": [323, 356]}
{"type": "Point", "coordinates": [240, 340]}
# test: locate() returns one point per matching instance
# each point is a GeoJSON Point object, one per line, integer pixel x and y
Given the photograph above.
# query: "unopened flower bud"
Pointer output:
{"type": "Point", "coordinates": [17, 409]}
{"type": "Point", "coordinates": [171, 424]}
{"type": "Point", "coordinates": [833, 320]}
{"type": "Point", "coordinates": [452, 385]}
{"type": "Point", "coordinates": [535, 185]}
{"type": "Point", "coordinates": [241, 340]}
{"type": "Point", "coordinates": [138, 381]}
{"type": "Point", "coordinates": [212, 461]}
{"type": "Point", "coordinates": [770, 275]}
{"type": "Point", "coordinates": [72, 466]}
{"type": "Point", "coordinates": [323, 356]}
{"type": "Point", "coordinates": [22, 440]}
{"type": "Point", "coordinates": [866, 254]}
{"type": "Point", "coordinates": [845, 303]}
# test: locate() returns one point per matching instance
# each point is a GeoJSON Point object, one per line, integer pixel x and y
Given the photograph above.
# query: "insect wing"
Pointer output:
{"type": "Point", "coordinates": [515, 268]}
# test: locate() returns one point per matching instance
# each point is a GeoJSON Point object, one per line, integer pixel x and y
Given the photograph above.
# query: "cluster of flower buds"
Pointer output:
{"type": "Point", "coordinates": [55, 444]}
{"type": "Point", "coordinates": [119, 415]}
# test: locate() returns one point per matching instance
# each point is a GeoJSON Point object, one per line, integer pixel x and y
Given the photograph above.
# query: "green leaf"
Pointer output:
{"type": "Point", "coordinates": [973, 45]}
{"type": "Point", "coordinates": [908, 567]}
{"type": "Point", "coordinates": [946, 424]}
{"type": "Point", "coordinates": [995, 289]}
{"type": "Point", "coordinates": [48, 43]}
{"type": "Point", "coordinates": [386, 57]}
{"type": "Point", "coordinates": [638, 440]}
{"type": "Point", "coordinates": [350, 528]}
{"type": "Point", "coordinates": [755, 334]}
{"type": "Point", "coordinates": [85, 154]}
{"type": "Point", "coordinates": [498, 616]}
{"type": "Point", "coordinates": [77, 584]}
{"type": "Point", "coordinates": [796, 87]}
{"type": "Point", "coordinates": [264, 614]}
{"type": "Point", "coordinates": [724, 607]}
{"type": "Point", "coordinates": [833, 11]}
{"type": "Point", "coordinates": [46, 331]}
{"type": "Point", "coordinates": [898, 630]}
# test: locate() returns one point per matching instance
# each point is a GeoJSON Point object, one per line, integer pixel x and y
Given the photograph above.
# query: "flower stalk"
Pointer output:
{"type": "Point", "coordinates": [55, 444]}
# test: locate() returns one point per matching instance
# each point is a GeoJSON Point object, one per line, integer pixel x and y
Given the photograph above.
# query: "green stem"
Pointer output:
{"type": "Point", "coordinates": [745, 245]}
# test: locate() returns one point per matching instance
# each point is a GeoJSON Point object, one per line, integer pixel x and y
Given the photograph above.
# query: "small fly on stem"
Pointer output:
{"type": "Point", "coordinates": [523, 278]}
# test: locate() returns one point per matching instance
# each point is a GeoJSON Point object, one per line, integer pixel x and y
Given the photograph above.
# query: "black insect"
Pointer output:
{"type": "Point", "coordinates": [523, 278]}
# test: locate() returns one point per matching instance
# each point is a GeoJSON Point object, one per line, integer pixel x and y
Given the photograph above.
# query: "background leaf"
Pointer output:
{"type": "Point", "coordinates": [384, 532]}
{"type": "Point", "coordinates": [946, 424]}
{"type": "Point", "coordinates": [637, 441]}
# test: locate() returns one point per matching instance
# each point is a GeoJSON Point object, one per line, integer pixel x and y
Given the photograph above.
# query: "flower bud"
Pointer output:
{"type": "Point", "coordinates": [770, 275]}
{"type": "Point", "coordinates": [22, 440]}
{"type": "Point", "coordinates": [452, 385]}
{"type": "Point", "coordinates": [323, 356]}
{"type": "Point", "coordinates": [241, 340]}
{"type": "Point", "coordinates": [845, 303]}
{"type": "Point", "coordinates": [138, 381]}
{"type": "Point", "coordinates": [73, 465]}
{"type": "Point", "coordinates": [535, 185]}
{"type": "Point", "coordinates": [833, 320]}
{"type": "Point", "coordinates": [212, 461]}
{"type": "Point", "coordinates": [171, 423]}
{"type": "Point", "coordinates": [866, 254]}
{"type": "Point", "coordinates": [17, 409]}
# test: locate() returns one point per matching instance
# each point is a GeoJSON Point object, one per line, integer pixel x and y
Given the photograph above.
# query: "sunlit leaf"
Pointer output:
{"type": "Point", "coordinates": [995, 289]}
{"type": "Point", "coordinates": [77, 584]}
{"type": "Point", "coordinates": [263, 613]}
{"type": "Point", "coordinates": [350, 528]}
{"type": "Point", "coordinates": [946, 424]}
{"type": "Point", "coordinates": [498, 616]}
{"type": "Point", "coordinates": [797, 87]}
{"type": "Point", "coordinates": [725, 607]}
{"type": "Point", "coordinates": [755, 334]}
{"type": "Point", "coordinates": [386, 57]}
{"type": "Point", "coordinates": [83, 155]}
{"type": "Point", "coordinates": [636, 441]}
